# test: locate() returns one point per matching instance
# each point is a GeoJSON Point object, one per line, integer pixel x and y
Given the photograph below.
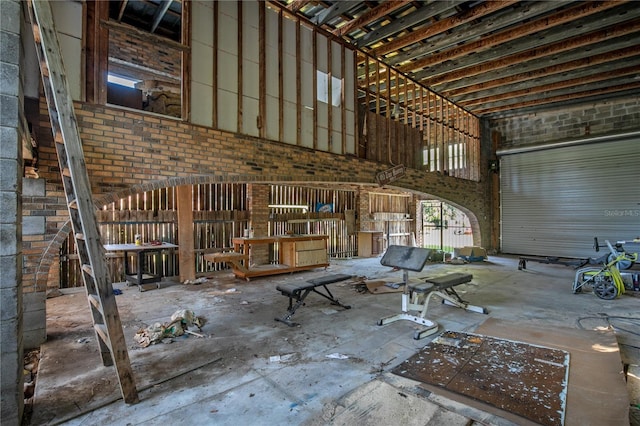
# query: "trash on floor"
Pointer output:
{"type": "Point", "coordinates": [378, 287]}
{"type": "Point", "coordinates": [180, 322]}
{"type": "Point", "coordinates": [196, 281]}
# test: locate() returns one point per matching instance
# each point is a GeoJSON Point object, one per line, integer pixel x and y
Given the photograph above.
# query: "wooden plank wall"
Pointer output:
{"type": "Point", "coordinates": [398, 110]}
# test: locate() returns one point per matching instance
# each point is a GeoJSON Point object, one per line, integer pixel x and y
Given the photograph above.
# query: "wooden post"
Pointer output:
{"type": "Point", "coordinates": [185, 233]}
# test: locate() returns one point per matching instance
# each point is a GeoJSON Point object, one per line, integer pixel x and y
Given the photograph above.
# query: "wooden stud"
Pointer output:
{"type": "Point", "coordinates": [329, 96]}
{"type": "Point", "coordinates": [343, 107]}
{"type": "Point", "coordinates": [315, 88]}
{"type": "Point", "coordinates": [240, 72]}
{"type": "Point", "coordinates": [262, 71]}
{"type": "Point", "coordinates": [185, 56]}
{"type": "Point", "coordinates": [298, 86]}
{"type": "Point", "coordinates": [280, 77]}
{"type": "Point", "coordinates": [214, 70]}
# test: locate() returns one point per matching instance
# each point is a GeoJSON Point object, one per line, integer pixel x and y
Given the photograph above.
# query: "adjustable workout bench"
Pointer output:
{"type": "Point", "coordinates": [300, 291]}
{"type": "Point", "coordinates": [416, 297]}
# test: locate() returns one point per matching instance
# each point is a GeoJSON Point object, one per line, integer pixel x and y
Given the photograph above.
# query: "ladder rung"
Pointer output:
{"type": "Point", "coordinates": [95, 302]}
{"type": "Point", "coordinates": [101, 330]}
{"type": "Point", "coordinates": [73, 204]}
{"type": "Point", "coordinates": [66, 172]}
{"type": "Point", "coordinates": [88, 269]}
{"type": "Point", "coordinates": [79, 236]}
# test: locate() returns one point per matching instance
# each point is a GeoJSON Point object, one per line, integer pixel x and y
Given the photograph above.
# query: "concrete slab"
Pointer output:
{"type": "Point", "coordinates": [233, 375]}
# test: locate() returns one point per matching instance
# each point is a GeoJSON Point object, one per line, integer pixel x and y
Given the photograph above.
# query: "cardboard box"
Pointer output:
{"type": "Point", "coordinates": [473, 253]}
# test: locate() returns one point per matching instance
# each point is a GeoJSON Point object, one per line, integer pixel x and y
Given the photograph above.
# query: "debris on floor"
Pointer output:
{"type": "Point", "coordinates": [362, 285]}
{"type": "Point", "coordinates": [197, 281]}
{"type": "Point", "coordinates": [180, 322]}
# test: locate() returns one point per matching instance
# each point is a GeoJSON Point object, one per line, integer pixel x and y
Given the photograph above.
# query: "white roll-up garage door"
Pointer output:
{"type": "Point", "coordinates": [556, 199]}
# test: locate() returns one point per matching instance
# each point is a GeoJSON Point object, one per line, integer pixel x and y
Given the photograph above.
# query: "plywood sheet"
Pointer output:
{"type": "Point", "coordinates": [521, 378]}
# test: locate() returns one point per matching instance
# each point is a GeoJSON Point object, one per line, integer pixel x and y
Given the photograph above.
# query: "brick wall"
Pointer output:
{"type": "Point", "coordinates": [131, 48]}
{"type": "Point", "coordinates": [575, 122]}
{"type": "Point", "coordinates": [128, 152]}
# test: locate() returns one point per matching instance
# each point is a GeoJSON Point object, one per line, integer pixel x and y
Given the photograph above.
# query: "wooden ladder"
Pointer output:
{"type": "Point", "coordinates": [102, 302]}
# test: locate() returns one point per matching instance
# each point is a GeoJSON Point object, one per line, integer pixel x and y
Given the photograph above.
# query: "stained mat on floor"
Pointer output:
{"type": "Point", "coordinates": [525, 379]}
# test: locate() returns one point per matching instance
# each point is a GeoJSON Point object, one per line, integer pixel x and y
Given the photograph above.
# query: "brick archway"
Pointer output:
{"type": "Point", "coordinates": [52, 251]}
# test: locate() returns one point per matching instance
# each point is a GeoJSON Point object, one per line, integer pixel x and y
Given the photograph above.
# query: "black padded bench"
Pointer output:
{"type": "Point", "coordinates": [417, 296]}
{"type": "Point", "coordinates": [444, 283]}
{"type": "Point", "coordinates": [300, 291]}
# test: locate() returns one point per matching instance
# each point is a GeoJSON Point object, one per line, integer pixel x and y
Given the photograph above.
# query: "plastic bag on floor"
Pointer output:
{"type": "Point", "coordinates": [180, 321]}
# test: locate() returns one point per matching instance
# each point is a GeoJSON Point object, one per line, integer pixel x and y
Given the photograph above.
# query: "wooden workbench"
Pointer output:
{"type": "Point", "coordinates": [295, 253]}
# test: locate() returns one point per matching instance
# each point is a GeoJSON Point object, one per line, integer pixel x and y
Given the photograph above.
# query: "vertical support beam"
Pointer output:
{"type": "Point", "coordinates": [298, 86]}
{"type": "Point", "coordinates": [329, 96]}
{"type": "Point", "coordinates": [262, 71]}
{"type": "Point", "coordinates": [356, 106]}
{"type": "Point", "coordinates": [377, 84]}
{"type": "Point", "coordinates": [185, 233]}
{"type": "Point", "coordinates": [315, 88]}
{"type": "Point", "coordinates": [97, 48]}
{"type": "Point", "coordinates": [214, 70]}
{"type": "Point", "coordinates": [280, 78]}
{"type": "Point", "coordinates": [240, 73]}
{"type": "Point", "coordinates": [185, 56]}
{"type": "Point", "coordinates": [343, 107]}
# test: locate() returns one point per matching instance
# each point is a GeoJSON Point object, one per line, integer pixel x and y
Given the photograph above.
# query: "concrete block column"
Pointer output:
{"type": "Point", "coordinates": [11, 96]}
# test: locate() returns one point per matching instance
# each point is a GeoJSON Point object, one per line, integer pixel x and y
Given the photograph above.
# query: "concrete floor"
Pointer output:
{"type": "Point", "coordinates": [335, 367]}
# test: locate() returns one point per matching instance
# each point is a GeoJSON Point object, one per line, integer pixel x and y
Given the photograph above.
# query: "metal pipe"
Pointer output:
{"type": "Point", "coordinates": [583, 141]}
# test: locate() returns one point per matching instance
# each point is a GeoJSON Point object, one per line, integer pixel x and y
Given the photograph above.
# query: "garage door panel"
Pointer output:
{"type": "Point", "coordinates": [555, 201]}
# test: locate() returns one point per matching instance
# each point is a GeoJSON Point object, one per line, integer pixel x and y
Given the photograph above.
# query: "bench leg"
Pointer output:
{"type": "Point", "coordinates": [452, 298]}
{"type": "Point", "coordinates": [430, 327]}
{"type": "Point", "coordinates": [300, 297]}
{"type": "Point", "coordinates": [292, 308]}
{"type": "Point", "coordinates": [330, 297]}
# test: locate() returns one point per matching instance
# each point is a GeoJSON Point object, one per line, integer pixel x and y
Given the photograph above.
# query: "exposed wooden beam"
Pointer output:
{"type": "Point", "coordinates": [371, 15]}
{"type": "Point", "coordinates": [605, 18]}
{"type": "Point", "coordinates": [420, 15]}
{"type": "Point", "coordinates": [474, 30]}
{"type": "Point", "coordinates": [336, 9]}
{"type": "Point", "coordinates": [442, 26]}
{"type": "Point", "coordinates": [161, 10]}
{"type": "Point", "coordinates": [239, 125]}
{"type": "Point", "coordinates": [262, 71]}
{"type": "Point", "coordinates": [296, 5]}
{"type": "Point", "coordinates": [123, 6]}
{"type": "Point", "coordinates": [214, 70]}
{"type": "Point", "coordinates": [563, 84]}
{"type": "Point", "coordinates": [592, 61]}
{"type": "Point", "coordinates": [574, 43]}
{"type": "Point", "coordinates": [561, 98]}
{"type": "Point", "coordinates": [488, 42]}
{"type": "Point", "coordinates": [280, 76]}
{"type": "Point", "coordinates": [185, 62]}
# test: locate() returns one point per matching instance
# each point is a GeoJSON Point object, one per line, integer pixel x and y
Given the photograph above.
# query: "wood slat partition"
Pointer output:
{"type": "Point", "coordinates": [449, 141]}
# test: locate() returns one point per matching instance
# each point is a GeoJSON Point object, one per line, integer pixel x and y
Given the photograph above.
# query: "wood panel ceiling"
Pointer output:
{"type": "Point", "coordinates": [496, 58]}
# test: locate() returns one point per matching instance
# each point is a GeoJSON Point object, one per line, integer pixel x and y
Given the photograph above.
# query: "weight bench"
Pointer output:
{"type": "Point", "coordinates": [300, 291]}
{"type": "Point", "coordinates": [416, 297]}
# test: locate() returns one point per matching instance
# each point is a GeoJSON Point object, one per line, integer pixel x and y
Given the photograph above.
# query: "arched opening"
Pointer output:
{"type": "Point", "coordinates": [444, 227]}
